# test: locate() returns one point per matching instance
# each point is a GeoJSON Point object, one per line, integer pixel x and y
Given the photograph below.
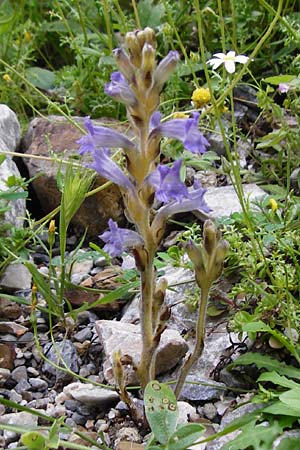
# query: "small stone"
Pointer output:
{"type": "Point", "coordinates": [22, 386]}
{"type": "Point", "coordinates": [16, 277]}
{"type": "Point", "coordinates": [83, 335]}
{"type": "Point", "coordinates": [4, 375]}
{"type": "Point", "coordinates": [13, 328]}
{"type": "Point", "coordinates": [185, 411]}
{"type": "Point", "coordinates": [23, 419]}
{"type": "Point", "coordinates": [71, 405]}
{"type": "Point", "coordinates": [100, 261]}
{"type": "Point", "coordinates": [68, 354]}
{"type": "Point", "coordinates": [19, 374]}
{"type": "Point", "coordinates": [129, 434]}
{"type": "Point", "coordinates": [7, 356]}
{"type": "Point", "coordinates": [78, 419]}
{"type": "Point", "coordinates": [15, 397]}
{"type": "Point", "coordinates": [38, 383]}
{"type": "Point", "coordinates": [27, 338]}
{"type": "Point", "coordinates": [210, 411]}
{"type": "Point", "coordinates": [2, 411]}
{"type": "Point", "coordinates": [20, 362]}
{"type": "Point", "coordinates": [84, 372]}
{"type": "Point", "coordinates": [9, 309]}
{"type": "Point", "coordinates": [91, 395]}
{"type": "Point", "coordinates": [32, 372]}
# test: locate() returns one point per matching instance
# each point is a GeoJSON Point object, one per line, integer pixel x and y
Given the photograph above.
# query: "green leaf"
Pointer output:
{"type": "Point", "coordinates": [13, 195]}
{"type": "Point", "coordinates": [289, 443]}
{"type": "Point", "coordinates": [150, 14]}
{"type": "Point", "coordinates": [185, 436]}
{"type": "Point", "coordinates": [34, 440]}
{"type": "Point", "coordinates": [291, 398]}
{"type": "Point", "coordinates": [275, 378]}
{"type": "Point", "coordinates": [40, 78]}
{"type": "Point", "coordinates": [161, 410]}
{"type": "Point", "coordinates": [281, 409]}
{"type": "Point", "coordinates": [53, 438]}
{"type": "Point", "coordinates": [258, 437]}
{"type": "Point", "coordinates": [267, 362]}
{"type": "Point", "coordinates": [213, 311]}
{"type": "Point", "coordinates": [279, 79]}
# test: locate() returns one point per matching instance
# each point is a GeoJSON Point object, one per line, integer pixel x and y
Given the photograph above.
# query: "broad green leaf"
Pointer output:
{"type": "Point", "coordinates": [260, 326]}
{"type": "Point", "coordinates": [267, 362]}
{"type": "Point", "coordinates": [6, 23]}
{"type": "Point", "coordinates": [258, 437]}
{"type": "Point", "coordinates": [161, 410]}
{"type": "Point", "coordinates": [281, 409]}
{"type": "Point", "coordinates": [40, 78]}
{"type": "Point", "coordinates": [291, 398]}
{"type": "Point", "coordinates": [150, 14]}
{"type": "Point", "coordinates": [289, 443]}
{"type": "Point", "coordinates": [34, 440]}
{"type": "Point", "coordinates": [275, 378]}
{"type": "Point", "coordinates": [279, 79]}
{"type": "Point", "coordinates": [185, 436]}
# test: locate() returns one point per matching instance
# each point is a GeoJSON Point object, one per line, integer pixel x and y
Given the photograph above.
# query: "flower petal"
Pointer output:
{"type": "Point", "coordinates": [241, 59]}
{"type": "Point", "coordinates": [167, 183]}
{"type": "Point", "coordinates": [98, 137]}
{"type": "Point", "coordinates": [106, 167]}
{"type": "Point", "coordinates": [230, 66]}
{"type": "Point", "coordinates": [117, 240]}
{"type": "Point", "coordinates": [119, 89]}
{"type": "Point", "coordinates": [185, 130]}
{"type": "Point", "coordinates": [215, 63]}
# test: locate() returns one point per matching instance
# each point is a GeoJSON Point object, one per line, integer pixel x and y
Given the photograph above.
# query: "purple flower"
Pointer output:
{"type": "Point", "coordinates": [283, 88]}
{"type": "Point", "coordinates": [106, 167]}
{"type": "Point", "coordinates": [98, 137]}
{"type": "Point", "coordinates": [165, 69]}
{"type": "Point", "coordinates": [193, 201]}
{"type": "Point", "coordinates": [185, 130]}
{"type": "Point", "coordinates": [117, 240]}
{"type": "Point", "coordinates": [167, 184]}
{"type": "Point", "coordinates": [119, 89]}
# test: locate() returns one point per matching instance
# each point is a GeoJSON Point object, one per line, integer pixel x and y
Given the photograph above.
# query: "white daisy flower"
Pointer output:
{"type": "Point", "coordinates": [228, 59]}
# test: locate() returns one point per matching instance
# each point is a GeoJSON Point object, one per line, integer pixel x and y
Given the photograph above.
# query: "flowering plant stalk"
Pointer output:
{"type": "Point", "coordinates": [138, 84]}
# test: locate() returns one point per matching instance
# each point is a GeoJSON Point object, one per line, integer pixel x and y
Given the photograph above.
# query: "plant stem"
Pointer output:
{"type": "Point", "coordinates": [199, 345]}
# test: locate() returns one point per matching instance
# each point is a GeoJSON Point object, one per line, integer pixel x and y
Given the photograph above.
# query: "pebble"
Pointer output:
{"type": "Point", "coordinates": [26, 338]}
{"type": "Point", "coordinates": [22, 386]}
{"type": "Point", "coordinates": [14, 396]}
{"type": "Point", "coordinates": [210, 411]}
{"type": "Point", "coordinates": [19, 362]}
{"type": "Point", "coordinates": [79, 419]}
{"type": "Point", "coordinates": [32, 371]}
{"type": "Point", "coordinates": [83, 335]}
{"type": "Point", "coordinates": [38, 383]}
{"type": "Point", "coordinates": [19, 374]}
{"type": "Point", "coordinates": [4, 375]}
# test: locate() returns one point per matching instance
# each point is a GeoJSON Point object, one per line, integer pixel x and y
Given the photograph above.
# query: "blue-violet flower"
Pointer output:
{"type": "Point", "coordinates": [185, 130]}
{"type": "Point", "coordinates": [167, 183]}
{"type": "Point", "coordinates": [117, 240]}
{"type": "Point", "coordinates": [98, 137]}
{"type": "Point", "coordinates": [119, 89]}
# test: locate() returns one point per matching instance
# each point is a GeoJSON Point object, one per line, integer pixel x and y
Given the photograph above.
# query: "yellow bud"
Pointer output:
{"type": "Point", "coordinates": [273, 204]}
{"type": "Point", "coordinates": [194, 57]}
{"type": "Point", "coordinates": [27, 36]}
{"type": "Point", "coordinates": [6, 77]}
{"type": "Point", "coordinates": [200, 97]}
{"type": "Point", "coordinates": [52, 226]}
{"type": "Point", "coordinates": [180, 115]}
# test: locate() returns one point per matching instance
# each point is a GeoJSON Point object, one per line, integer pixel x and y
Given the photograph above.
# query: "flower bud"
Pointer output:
{"type": "Point", "coordinates": [195, 254]}
{"type": "Point", "coordinates": [221, 251]}
{"type": "Point", "coordinates": [209, 236]}
{"type": "Point", "coordinates": [148, 64]}
{"type": "Point", "coordinates": [124, 64]}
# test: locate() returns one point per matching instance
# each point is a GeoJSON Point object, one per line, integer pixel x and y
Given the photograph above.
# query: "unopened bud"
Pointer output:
{"type": "Point", "coordinates": [148, 58]}
{"type": "Point", "coordinates": [195, 254]}
{"type": "Point", "coordinates": [124, 64]}
{"type": "Point", "coordinates": [149, 34]}
{"type": "Point", "coordinates": [226, 166]}
{"type": "Point", "coordinates": [160, 292]}
{"type": "Point", "coordinates": [51, 233]}
{"type": "Point", "coordinates": [221, 251]}
{"type": "Point", "coordinates": [165, 69]}
{"type": "Point", "coordinates": [209, 236]}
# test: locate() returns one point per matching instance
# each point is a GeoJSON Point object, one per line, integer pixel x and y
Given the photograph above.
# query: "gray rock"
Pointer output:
{"type": "Point", "coordinates": [19, 373]}
{"type": "Point", "coordinates": [15, 397]}
{"type": "Point", "coordinates": [91, 395]}
{"type": "Point", "coordinates": [67, 354]}
{"type": "Point", "coordinates": [23, 419]}
{"type": "Point", "coordinates": [16, 277]}
{"type": "Point", "coordinates": [126, 337]}
{"type": "Point", "coordinates": [38, 383]}
{"type": "Point", "coordinates": [78, 419]}
{"type": "Point", "coordinates": [210, 411]}
{"type": "Point", "coordinates": [22, 387]}
{"type": "Point", "coordinates": [83, 335]}
{"type": "Point", "coordinates": [197, 389]}
{"type": "Point", "coordinates": [185, 411]}
{"type": "Point", "coordinates": [10, 132]}
{"type": "Point", "coordinates": [223, 200]}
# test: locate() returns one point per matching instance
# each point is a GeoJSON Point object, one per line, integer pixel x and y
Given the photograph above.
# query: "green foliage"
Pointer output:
{"type": "Point", "coordinates": [162, 415]}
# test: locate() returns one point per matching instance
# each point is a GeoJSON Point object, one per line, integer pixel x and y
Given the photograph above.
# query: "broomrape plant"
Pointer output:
{"type": "Point", "coordinates": [138, 84]}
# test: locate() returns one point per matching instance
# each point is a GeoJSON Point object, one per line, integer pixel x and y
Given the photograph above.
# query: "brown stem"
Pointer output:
{"type": "Point", "coordinates": [199, 345]}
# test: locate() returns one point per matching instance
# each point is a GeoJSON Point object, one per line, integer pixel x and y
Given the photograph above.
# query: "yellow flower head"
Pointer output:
{"type": "Point", "coordinates": [273, 204]}
{"type": "Point", "coordinates": [179, 115]}
{"type": "Point", "coordinates": [6, 77]}
{"type": "Point", "coordinates": [200, 97]}
{"type": "Point", "coordinates": [27, 36]}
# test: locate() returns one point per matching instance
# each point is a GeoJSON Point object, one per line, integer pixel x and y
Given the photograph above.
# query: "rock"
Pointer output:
{"type": "Point", "coordinates": [4, 375]}
{"type": "Point", "coordinates": [10, 132]}
{"type": "Point", "coordinates": [68, 355]}
{"type": "Point", "coordinates": [127, 434]}
{"type": "Point", "coordinates": [83, 335]}
{"type": "Point", "coordinates": [126, 337]}
{"type": "Point", "coordinates": [196, 389]}
{"type": "Point", "coordinates": [210, 411]}
{"type": "Point", "coordinates": [23, 419]}
{"type": "Point", "coordinates": [60, 136]}
{"type": "Point", "coordinates": [16, 277]}
{"type": "Point", "coordinates": [19, 374]}
{"type": "Point", "coordinates": [223, 200]}
{"type": "Point", "coordinates": [12, 328]}
{"type": "Point", "coordinates": [185, 411]}
{"type": "Point", "coordinates": [7, 356]}
{"type": "Point", "coordinates": [9, 309]}
{"type": "Point", "coordinates": [91, 395]}
{"type": "Point", "coordinates": [38, 384]}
